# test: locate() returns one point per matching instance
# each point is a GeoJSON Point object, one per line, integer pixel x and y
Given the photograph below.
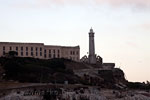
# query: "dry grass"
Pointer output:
{"type": "Point", "coordinates": [8, 85]}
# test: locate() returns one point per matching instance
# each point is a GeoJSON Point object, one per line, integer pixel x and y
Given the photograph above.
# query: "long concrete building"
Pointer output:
{"type": "Point", "coordinates": [41, 51]}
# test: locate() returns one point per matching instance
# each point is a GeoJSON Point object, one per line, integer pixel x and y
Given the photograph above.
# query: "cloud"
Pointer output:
{"type": "Point", "coordinates": [132, 44]}
{"type": "Point", "coordinates": [140, 3]}
{"type": "Point", "coordinates": [113, 3]}
{"type": "Point", "coordinates": [137, 3]}
{"type": "Point", "coordinates": [145, 26]}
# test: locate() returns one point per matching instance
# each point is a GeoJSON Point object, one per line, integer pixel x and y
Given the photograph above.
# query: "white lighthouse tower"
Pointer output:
{"type": "Point", "coordinates": [92, 56]}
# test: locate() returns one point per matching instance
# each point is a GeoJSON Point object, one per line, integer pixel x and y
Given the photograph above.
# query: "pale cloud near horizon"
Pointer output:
{"type": "Point", "coordinates": [137, 3]}
{"type": "Point", "coordinates": [113, 3]}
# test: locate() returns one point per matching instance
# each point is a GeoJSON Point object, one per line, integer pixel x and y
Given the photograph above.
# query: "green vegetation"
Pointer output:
{"type": "Point", "coordinates": [37, 70]}
{"type": "Point", "coordinates": [12, 53]}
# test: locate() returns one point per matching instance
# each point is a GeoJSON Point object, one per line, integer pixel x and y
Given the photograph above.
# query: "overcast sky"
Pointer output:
{"type": "Point", "coordinates": [122, 28]}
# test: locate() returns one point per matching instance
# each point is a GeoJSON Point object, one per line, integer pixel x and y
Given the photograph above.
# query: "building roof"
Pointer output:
{"type": "Point", "coordinates": [15, 43]}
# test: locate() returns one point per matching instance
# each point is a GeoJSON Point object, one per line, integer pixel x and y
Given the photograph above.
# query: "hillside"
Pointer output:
{"type": "Point", "coordinates": [36, 70]}
{"type": "Point", "coordinates": [31, 70]}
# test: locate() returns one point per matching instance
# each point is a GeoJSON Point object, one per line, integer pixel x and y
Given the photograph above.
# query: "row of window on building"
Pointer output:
{"type": "Point", "coordinates": [22, 48]}
{"type": "Point", "coordinates": [36, 53]}
{"type": "Point", "coordinates": [36, 49]}
{"type": "Point", "coordinates": [73, 53]}
{"type": "Point", "coordinates": [45, 51]}
{"type": "Point", "coordinates": [50, 51]}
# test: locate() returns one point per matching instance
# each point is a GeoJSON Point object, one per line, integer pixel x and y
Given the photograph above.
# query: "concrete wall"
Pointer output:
{"type": "Point", "coordinates": [39, 50]}
{"type": "Point", "coordinates": [108, 66]}
{"type": "Point", "coordinates": [72, 53]}
{"type": "Point", "coordinates": [52, 52]}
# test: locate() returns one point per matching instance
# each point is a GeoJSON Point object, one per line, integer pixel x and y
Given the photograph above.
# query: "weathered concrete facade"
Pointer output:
{"type": "Point", "coordinates": [41, 51]}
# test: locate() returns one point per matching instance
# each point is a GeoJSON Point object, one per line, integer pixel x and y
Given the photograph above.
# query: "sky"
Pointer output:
{"type": "Point", "coordinates": [122, 28]}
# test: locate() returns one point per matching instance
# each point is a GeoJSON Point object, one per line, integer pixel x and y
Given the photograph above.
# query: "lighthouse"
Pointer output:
{"type": "Point", "coordinates": [92, 56]}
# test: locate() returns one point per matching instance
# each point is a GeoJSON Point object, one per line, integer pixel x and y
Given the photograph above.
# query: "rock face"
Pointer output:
{"type": "Point", "coordinates": [104, 78]}
{"type": "Point", "coordinates": [112, 77]}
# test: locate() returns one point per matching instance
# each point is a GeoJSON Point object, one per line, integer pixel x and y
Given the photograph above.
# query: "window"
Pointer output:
{"type": "Point", "coordinates": [70, 52]}
{"type": "Point", "coordinates": [10, 48]}
{"type": "Point", "coordinates": [54, 56]}
{"type": "Point", "coordinates": [26, 48]}
{"type": "Point", "coordinates": [44, 51]}
{"type": "Point", "coordinates": [31, 48]}
{"type": "Point", "coordinates": [50, 56]}
{"type": "Point", "coordinates": [53, 51]}
{"type": "Point", "coordinates": [40, 49]}
{"type": "Point", "coordinates": [36, 54]}
{"type": "Point", "coordinates": [58, 51]}
{"type": "Point", "coordinates": [26, 53]}
{"type": "Point", "coordinates": [58, 55]}
{"type": "Point", "coordinates": [31, 53]}
{"type": "Point", "coordinates": [21, 48]}
{"type": "Point", "coordinates": [21, 53]}
{"type": "Point", "coordinates": [40, 53]}
{"type": "Point", "coordinates": [16, 48]}
{"type": "Point", "coordinates": [3, 48]}
{"type": "Point", "coordinates": [45, 55]}
{"type": "Point", "coordinates": [36, 49]}
{"type": "Point", "coordinates": [73, 52]}
{"type": "Point", "coordinates": [49, 51]}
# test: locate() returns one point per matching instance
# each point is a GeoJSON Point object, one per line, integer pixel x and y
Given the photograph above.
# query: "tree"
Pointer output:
{"type": "Point", "coordinates": [12, 53]}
